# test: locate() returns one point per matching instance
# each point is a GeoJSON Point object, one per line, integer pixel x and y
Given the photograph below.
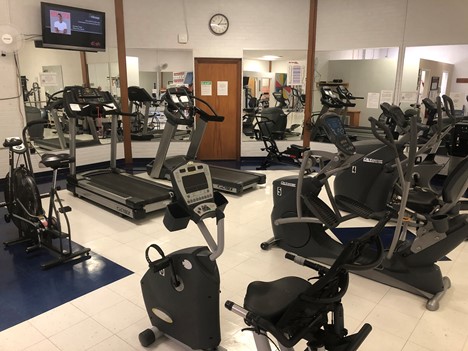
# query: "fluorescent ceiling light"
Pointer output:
{"type": "Point", "coordinates": [269, 57]}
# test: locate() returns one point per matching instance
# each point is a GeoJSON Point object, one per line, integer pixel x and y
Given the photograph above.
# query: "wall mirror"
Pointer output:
{"type": "Point", "coordinates": [430, 71]}
{"type": "Point", "coordinates": [268, 95]}
{"type": "Point", "coordinates": [367, 73]}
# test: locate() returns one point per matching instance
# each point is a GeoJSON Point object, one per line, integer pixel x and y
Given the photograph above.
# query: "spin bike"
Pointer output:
{"type": "Point", "coordinates": [181, 289]}
{"type": "Point", "coordinates": [39, 229]}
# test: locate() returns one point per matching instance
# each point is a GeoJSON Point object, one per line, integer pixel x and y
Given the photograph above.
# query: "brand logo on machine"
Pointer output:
{"type": "Point", "coordinates": [292, 185]}
{"type": "Point", "coordinates": [372, 160]}
{"type": "Point", "coordinates": [225, 188]}
{"type": "Point", "coordinates": [124, 211]}
{"type": "Point", "coordinates": [279, 191]}
{"type": "Point", "coordinates": [354, 169]}
{"type": "Point", "coordinates": [187, 264]}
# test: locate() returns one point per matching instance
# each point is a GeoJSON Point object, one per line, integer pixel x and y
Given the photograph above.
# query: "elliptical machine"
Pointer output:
{"type": "Point", "coordinates": [23, 201]}
{"type": "Point", "coordinates": [181, 290]}
{"type": "Point", "coordinates": [300, 217]}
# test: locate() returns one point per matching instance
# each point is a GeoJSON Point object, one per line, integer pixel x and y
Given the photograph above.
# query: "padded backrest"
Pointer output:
{"type": "Point", "coordinates": [281, 101]}
{"type": "Point", "coordinates": [277, 118]}
{"type": "Point", "coordinates": [456, 183]}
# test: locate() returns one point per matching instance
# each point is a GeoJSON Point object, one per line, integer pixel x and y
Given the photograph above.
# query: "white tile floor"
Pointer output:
{"type": "Point", "coordinates": [111, 318]}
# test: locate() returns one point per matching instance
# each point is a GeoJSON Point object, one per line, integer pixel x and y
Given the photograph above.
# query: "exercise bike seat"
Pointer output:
{"type": "Point", "coordinates": [425, 201]}
{"type": "Point", "coordinates": [10, 142]}
{"type": "Point", "coordinates": [56, 161]}
{"type": "Point", "coordinates": [270, 300]}
{"type": "Point", "coordinates": [299, 147]}
{"type": "Point", "coordinates": [422, 200]}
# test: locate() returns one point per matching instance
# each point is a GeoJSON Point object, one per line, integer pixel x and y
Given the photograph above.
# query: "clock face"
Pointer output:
{"type": "Point", "coordinates": [219, 24]}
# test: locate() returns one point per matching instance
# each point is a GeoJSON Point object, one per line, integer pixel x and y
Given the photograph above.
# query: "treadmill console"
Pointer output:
{"type": "Point", "coordinates": [333, 127]}
{"type": "Point", "coordinates": [81, 101]}
{"type": "Point", "coordinates": [194, 188]}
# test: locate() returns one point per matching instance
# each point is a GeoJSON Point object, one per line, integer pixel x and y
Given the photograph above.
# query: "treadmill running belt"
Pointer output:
{"type": "Point", "coordinates": [235, 176]}
{"type": "Point", "coordinates": [131, 186]}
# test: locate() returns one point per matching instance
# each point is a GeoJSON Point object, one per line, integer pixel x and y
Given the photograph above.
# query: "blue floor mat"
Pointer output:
{"type": "Point", "coordinates": [27, 290]}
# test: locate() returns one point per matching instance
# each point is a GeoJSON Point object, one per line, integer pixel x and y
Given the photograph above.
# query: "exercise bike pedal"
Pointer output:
{"type": "Point", "coordinates": [65, 209]}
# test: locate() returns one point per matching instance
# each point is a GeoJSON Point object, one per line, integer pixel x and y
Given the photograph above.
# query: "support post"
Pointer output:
{"type": "Point", "coordinates": [121, 53]}
{"type": "Point", "coordinates": [310, 72]}
{"type": "Point", "coordinates": [84, 69]}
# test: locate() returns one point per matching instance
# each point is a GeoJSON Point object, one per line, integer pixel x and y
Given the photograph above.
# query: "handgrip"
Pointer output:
{"type": "Point", "coordinates": [413, 148]}
{"type": "Point", "coordinates": [374, 124]}
{"type": "Point", "coordinates": [302, 261]}
{"type": "Point", "coordinates": [439, 115]}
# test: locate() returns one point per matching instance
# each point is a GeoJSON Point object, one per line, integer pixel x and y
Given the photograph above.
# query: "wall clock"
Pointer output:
{"type": "Point", "coordinates": [219, 24]}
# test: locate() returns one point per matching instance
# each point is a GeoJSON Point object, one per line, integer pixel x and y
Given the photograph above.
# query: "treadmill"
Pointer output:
{"type": "Point", "coordinates": [140, 96]}
{"type": "Point", "coordinates": [181, 110]}
{"type": "Point", "coordinates": [61, 142]}
{"type": "Point", "coordinates": [113, 188]}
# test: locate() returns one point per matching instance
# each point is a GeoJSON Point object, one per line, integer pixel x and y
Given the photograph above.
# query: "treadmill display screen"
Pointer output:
{"type": "Point", "coordinates": [194, 182]}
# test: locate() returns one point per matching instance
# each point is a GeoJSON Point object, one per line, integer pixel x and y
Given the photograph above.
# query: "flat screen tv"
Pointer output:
{"type": "Point", "coordinates": [72, 28]}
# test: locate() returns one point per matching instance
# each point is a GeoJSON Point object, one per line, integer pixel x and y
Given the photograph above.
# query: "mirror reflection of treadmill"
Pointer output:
{"type": "Point", "coordinates": [141, 95]}
{"type": "Point", "coordinates": [62, 142]}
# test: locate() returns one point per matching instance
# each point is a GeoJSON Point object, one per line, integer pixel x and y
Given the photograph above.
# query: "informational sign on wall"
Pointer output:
{"type": "Point", "coordinates": [206, 88]}
{"type": "Point", "coordinates": [222, 88]}
{"type": "Point", "coordinates": [373, 100]}
{"type": "Point", "coordinates": [295, 74]}
{"type": "Point", "coordinates": [178, 78]}
{"type": "Point", "coordinates": [48, 79]}
{"type": "Point", "coordinates": [386, 96]}
{"type": "Point", "coordinates": [409, 97]}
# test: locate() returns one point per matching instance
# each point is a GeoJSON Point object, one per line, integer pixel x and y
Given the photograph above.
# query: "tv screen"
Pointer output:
{"type": "Point", "coordinates": [72, 28]}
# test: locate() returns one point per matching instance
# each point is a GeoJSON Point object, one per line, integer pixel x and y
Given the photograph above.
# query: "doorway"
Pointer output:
{"type": "Point", "coordinates": [218, 81]}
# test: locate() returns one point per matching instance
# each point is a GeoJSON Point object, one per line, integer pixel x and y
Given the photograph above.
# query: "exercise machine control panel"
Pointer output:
{"type": "Point", "coordinates": [81, 101]}
{"type": "Point", "coordinates": [334, 128]}
{"type": "Point", "coordinates": [193, 186]}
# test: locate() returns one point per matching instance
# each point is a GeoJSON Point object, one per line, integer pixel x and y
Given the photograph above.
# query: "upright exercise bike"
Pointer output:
{"type": "Point", "coordinates": [42, 230]}
{"type": "Point", "coordinates": [181, 289]}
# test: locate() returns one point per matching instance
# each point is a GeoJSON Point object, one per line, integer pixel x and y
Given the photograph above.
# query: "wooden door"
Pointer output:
{"type": "Point", "coordinates": [222, 139]}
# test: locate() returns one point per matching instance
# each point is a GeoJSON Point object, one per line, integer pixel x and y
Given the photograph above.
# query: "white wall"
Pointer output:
{"type": "Point", "coordinates": [152, 59]}
{"type": "Point", "coordinates": [32, 60]}
{"type": "Point", "coordinates": [350, 24]}
{"type": "Point", "coordinates": [454, 54]}
{"type": "Point", "coordinates": [260, 24]}
{"type": "Point", "coordinates": [365, 76]}
{"type": "Point", "coordinates": [255, 65]}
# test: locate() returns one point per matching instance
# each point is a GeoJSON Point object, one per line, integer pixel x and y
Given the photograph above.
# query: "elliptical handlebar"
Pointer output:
{"type": "Point", "coordinates": [375, 124]}
{"type": "Point", "coordinates": [413, 148]}
{"type": "Point", "coordinates": [439, 115]}
{"type": "Point", "coordinates": [449, 108]}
